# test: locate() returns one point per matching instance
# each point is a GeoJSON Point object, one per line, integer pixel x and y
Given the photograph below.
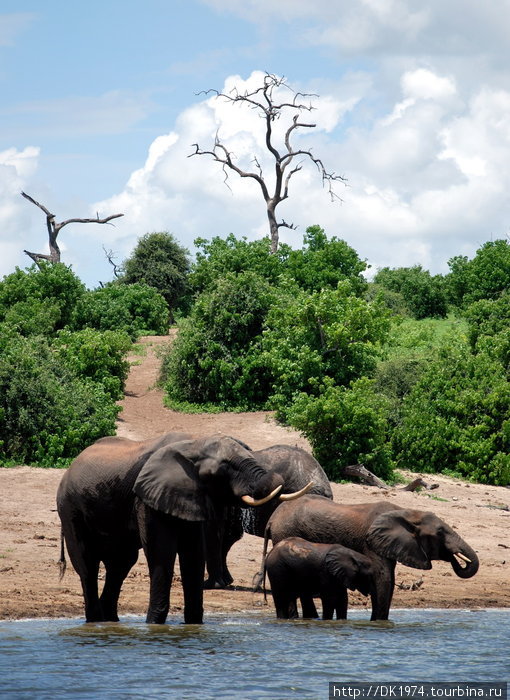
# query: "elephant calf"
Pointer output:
{"type": "Point", "coordinates": [306, 570]}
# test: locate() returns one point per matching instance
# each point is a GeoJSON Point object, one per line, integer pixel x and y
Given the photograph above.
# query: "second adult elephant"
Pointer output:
{"type": "Point", "coordinates": [307, 570]}
{"type": "Point", "coordinates": [385, 532]}
{"type": "Point", "coordinates": [119, 494]}
{"type": "Point", "coordinates": [299, 471]}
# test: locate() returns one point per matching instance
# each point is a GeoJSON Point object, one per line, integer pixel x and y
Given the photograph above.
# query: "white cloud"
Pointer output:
{"type": "Point", "coordinates": [427, 181]}
{"type": "Point", "coordinates": [16, 169]}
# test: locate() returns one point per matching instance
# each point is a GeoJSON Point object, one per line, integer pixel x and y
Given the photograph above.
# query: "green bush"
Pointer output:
{"type": "Point", "coordinates": [455, 418]}
{"type": "Point", "coordinates": [159, 261]}
{"type": "Point", "coordinates": [424, 294]}
{"type": "Point", "coordinates": [47, 413]}
{"type": "Point", "coordinates": [488, 317]}
{"type": "Point", "coordinates": [135, 309]}
{"type": "Point", "coordinates": [486, 276]}
{"type": "Point", "coordinates": [332, 333]}
{"type": "Point", "coordinates": [345, 425]}
{"type": "Point", "coordinates": [216, 355]}
{"type": "Point", "coordinates": [98, 355]}
{"type": "Point", "coordinates": [40, 299]}
{"type": "Point", "coordinates": [218, 257]}
{"type": "Point", "coordinates": [323, 263]}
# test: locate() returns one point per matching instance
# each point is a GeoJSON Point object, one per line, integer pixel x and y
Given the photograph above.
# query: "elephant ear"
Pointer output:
{"type": "Point", "coordinates": [342, 567]}
{"type": "Point", "coordinates": [394, 536]}
{"type": "Point", "coordinates": [169, 482]}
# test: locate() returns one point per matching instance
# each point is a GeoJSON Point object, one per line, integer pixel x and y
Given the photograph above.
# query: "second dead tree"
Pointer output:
{"type": "Point", "coordinates": [54, 229]}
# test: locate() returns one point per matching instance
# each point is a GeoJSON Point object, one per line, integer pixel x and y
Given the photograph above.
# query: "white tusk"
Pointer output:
{"type": "Point", "coordinates": [253, 502]}
{"type": "Point", "coordinates": [464, 558]}
{"type": "Point", "coordinates": [296, 494]}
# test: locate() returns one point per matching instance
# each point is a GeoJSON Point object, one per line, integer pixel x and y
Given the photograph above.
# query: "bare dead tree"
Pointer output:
{"type": "Point", "coordinates": [110, 256]}
{"type": "Point", "coordinates": [54, 229]}
{"type": "Point", "coordinates": [265, 101]}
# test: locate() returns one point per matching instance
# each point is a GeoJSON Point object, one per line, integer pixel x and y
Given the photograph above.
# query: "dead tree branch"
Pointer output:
{"type": "Point", "coordinates": [265, 100]}
{"type": "Point", "coordinates": [366, 477]}
{"type": "Point", "coordinates": [55, 227]}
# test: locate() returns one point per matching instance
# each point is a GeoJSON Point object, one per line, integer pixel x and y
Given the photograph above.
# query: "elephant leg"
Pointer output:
{"type": "Point", "coordinates": [117, 568]}
{"type": "Point", "coordinates": [158, 533]}
{"type": "Point", "coordinates": [214, 531]}
{"type": "Point", "coordinates": [341, 602]}
{"type": "Point", "coordinates": [192, 565]}
{"type": "Point", "coordinates": [85, 560]}
{"type": "Point", "coordinates": [93, 610]}
{"type": "Point", "coordinates": [232, 534]}
{"type": "Point", "coordinates": [286, 608]}
{"type": "Point", "coordinates": [382, 593]}
{"type": "Point", "coordinates": [308, 607]}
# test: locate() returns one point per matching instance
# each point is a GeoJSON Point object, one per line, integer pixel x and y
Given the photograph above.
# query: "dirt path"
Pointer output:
{"type": "Point", "coordinates": [30, 533]}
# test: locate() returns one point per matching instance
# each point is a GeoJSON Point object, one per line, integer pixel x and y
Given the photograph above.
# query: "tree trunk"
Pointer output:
{"type": "Point", "coordinates": [273, 228]}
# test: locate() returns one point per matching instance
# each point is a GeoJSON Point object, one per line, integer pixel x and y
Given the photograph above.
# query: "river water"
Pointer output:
{"type": "Point", "coordinates": [253, 655]}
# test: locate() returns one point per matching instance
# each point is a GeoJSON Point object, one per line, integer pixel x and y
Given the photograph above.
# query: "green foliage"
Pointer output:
{"type": "Point", "coordinates": [486, 276]}
{"type": "Point", "coordinates": [323, 263]}
{"type": "Point", "coordinates": [218, 257]}
{"type": "Point", "coordinates": [456, 418]}
{"type": "Point", "coordinates": [216, 355]}
{"type": "Point", "coordinates": [47, 413]}
{"type": "Point", "coordinates": [345, 425]}
{"type": "Point", "coordinates": [135, 309]}
{"type": "Point", "coordinates": [394, 301]}
{"type": "Point", "coordinates": [39, 299]}
{"type": "Point", "coordinates": [423, 293]}
{"type": "Point", "coordinates": [332, 333]}
{"type": "Point", "coordinates": [98, 355]}
{"type": "Point", "coordinates": [160, 262]}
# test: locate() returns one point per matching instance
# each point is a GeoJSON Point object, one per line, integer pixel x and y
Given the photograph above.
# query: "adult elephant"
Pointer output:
{"type": "Point", "coordinates": [299, 470]}
{"type": "Point", "coordinates": [384, 532]}
{"type": "Point", "coordinates": [119, 494]}
{"type": "Point", "coordinates": [306, 570]}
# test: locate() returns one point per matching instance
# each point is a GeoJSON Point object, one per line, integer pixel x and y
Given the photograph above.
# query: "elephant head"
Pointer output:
{"type": "Point", "coordinates": [192, 479]}
{"type": "Point", "coordinates": [415, 538]}
{"type": "Point", "coordinates": [352, 568]}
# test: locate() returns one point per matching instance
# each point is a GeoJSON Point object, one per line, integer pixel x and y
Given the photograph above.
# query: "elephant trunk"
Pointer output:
{"type": "Point", "coordinates": [464, 560]}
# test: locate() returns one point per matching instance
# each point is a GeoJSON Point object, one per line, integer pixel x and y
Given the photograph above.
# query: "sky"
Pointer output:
{"type": "Point", "coordinates": [101, 103]}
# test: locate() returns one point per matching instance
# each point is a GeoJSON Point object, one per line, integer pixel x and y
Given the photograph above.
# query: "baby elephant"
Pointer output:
{"type": "Point", "coordinates": [306, 570]}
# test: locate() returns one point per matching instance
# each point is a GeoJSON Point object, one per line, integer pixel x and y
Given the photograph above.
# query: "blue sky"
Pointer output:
{"type": "Point", "coordinates": [100, 106]}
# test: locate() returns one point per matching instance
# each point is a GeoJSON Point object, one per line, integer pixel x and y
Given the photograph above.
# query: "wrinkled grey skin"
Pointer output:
{"type": "Point", "coordinates": [383, 531]}
{"type": "Point", "coordinates": [119, 494]}
{"type": "Point", "coordinates": [306, 570]}
{"type": "Point", "coordinates": [297, 468]}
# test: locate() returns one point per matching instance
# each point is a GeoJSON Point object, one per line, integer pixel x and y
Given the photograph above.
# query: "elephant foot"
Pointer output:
{"type": "Point", "coordinates": [216, 584]}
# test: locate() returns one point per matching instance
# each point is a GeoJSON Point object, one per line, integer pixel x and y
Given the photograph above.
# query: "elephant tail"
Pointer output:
{"type": "Point", "coordinates": [62, 564]}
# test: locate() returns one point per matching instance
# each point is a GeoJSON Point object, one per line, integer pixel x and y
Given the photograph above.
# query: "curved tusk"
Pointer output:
{"type": "Point", "coordinates": [249, 500]}
{"type": "Point", "coordinates": [296, 494]}
{"type": "Point", "coordinates": [464, 558]}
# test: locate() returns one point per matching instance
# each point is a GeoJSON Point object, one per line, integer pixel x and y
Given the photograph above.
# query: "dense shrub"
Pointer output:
{"type": "Point", "coordinates": [424, 294]}
{"type": "Point", "coordinates": [216, 355]}
{"type": "Point", "coordinates": [455, 418]}
{"type": "Point", "coordinates": [323, 263]}
{"type": "Point", "coordinates": [332, 333]}
{"type": "Point", "coordinates": [218, 257]}
{"type": "Point", "coordinates": [98, 355]}
{"type": "Point", "coordinates": [345, 425]}
{"type": "Point", "coordinates": [47, 413]}
{"type": "Point", "coordinates": [39, 299]}
{"type": "Point", "coordinates": [486, 276]}
{"type": "Point", "coordinates": [136, 309]}
{"type": "Point", "coordinates": [159, 261]}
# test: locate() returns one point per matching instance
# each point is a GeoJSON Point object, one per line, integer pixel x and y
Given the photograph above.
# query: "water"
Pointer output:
{"type": "Point", "coordinates": [248, 656]}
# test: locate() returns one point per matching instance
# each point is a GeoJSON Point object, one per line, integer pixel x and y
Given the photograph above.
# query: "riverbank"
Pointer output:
{"type": "Point", "coordinates": [30, 529]}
